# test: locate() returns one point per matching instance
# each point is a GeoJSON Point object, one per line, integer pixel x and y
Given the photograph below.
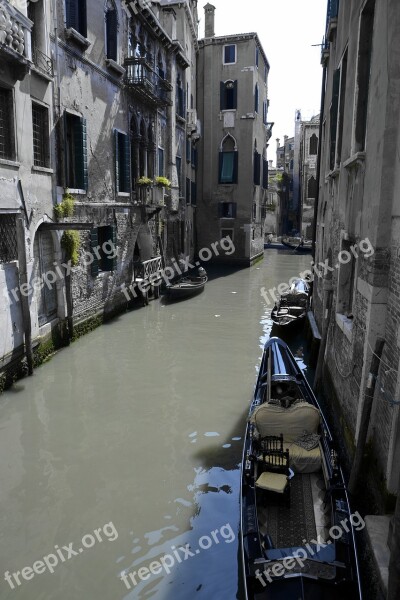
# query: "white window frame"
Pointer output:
{"type": "Point", "coordinates": [223, 54]}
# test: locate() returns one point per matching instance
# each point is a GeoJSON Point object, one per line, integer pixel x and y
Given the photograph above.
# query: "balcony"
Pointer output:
{"type": "Point", "coordinates": [15, 36]}
{"type": "Point", "coordinates": [148, 268]}
{"type": "Point", "coordinates": [43, 63]}
{"type": "Point", "coordinates": [147, 85]}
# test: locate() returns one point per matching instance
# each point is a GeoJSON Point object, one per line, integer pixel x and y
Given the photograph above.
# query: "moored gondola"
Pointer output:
{"type": "Point", "coordinates": [187, 286]}
{"type": "Point", "coordinates": [298, 245]}
{"type": "Point", "coordinates": [297, 529]}
{"type": "Point", "coordinates": [292, 305]}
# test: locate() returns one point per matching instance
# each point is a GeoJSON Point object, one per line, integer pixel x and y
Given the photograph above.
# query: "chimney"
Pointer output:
{"type": "Point", "coordinates": [270, 163]}
{"type": "Point", "coordinates": [278, 142]}
{"type": "Point", "coordinates": [209, 10]}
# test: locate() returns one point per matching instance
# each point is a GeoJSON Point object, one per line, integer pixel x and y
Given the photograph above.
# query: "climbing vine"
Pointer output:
{"type": "Point", "coordinates": [66, 207]}
{"type": "Point", "coordinates": [71, 242]}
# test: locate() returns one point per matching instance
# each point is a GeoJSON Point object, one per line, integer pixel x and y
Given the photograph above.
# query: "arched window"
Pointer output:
{"type": "Point", "coordinates": [312, 188]}
{"type": "Point", "coordinates": [228, 160]}
{"type": "Point", "coordinates": [228, 98]}
{"type": "Point", "coordinates": [111, 17]}
{"type": "Point", "coordinates": [313, 144]}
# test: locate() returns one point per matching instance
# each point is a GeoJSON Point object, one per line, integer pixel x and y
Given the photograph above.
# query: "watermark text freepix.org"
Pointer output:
{"type": "Point", "coordinates": [178, 555]}
{"type": "Point", "coordinates": [320, 270]}
{"type": "Point", "coordinates": [311, 549]}
{"type": "Point", "coordinates": [61, 555]}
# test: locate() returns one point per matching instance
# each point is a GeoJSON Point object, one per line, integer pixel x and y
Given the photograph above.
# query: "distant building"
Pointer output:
{"type": "Point", "coordinates": [233, 167]}
{"type": "Point", "coordinates": [272, 205]}
{"type": "Point", "coordinates": [309, 135]}
{"type": "Point", "coordinates": [285, 164]}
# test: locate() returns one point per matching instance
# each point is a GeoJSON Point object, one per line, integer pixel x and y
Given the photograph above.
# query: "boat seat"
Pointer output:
{"type": "Point", "coordinates": [270, 419]}
{"type": "Point", "coordinates": [272, 482]}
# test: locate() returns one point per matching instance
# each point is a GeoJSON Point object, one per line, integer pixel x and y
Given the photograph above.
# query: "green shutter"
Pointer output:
{"type": "Point", "coordinates": [235, 89]}
{"type": "Point", "coordinates": [94, 242]}
{"type": "Point", "coordinates": [116, 156]}
{"type": "Point", "coordinates": [235, 167]}
{"type": "Point", "coordinates": [111, 34]}
{"type": "Point", "coordinates": [72, 14]}
{"type": "Point", "coordinates": [127, 164]}
{"type": "Point", "coordinates": [107, 263]}
{"type": "Point", "coordinates": [80, 142]}
{"type": "Point", "coordinates": [222, 96]}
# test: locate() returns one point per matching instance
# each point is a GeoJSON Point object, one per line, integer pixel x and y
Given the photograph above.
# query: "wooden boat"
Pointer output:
{"type": "Point", "coordinates": [187, 286]}
{"type": "Point", "coordinates": [298, 245]}
{"type": "Point", "coordinates": [300, 542]}
{"type": "Point", "coordinates": [293, 304]}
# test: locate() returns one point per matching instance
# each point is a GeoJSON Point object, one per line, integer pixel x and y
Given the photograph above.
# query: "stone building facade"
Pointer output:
{"type": "Point", "coordinates": [309, 135]}
{"type": "Point", "coordinates": [233, 166]}
{"type": "Point", "coordinates": [358, 231]}
{"type": "Point", "coordinates": [288, 221]}
{"type": "Point", "coordinates": [111, 97]}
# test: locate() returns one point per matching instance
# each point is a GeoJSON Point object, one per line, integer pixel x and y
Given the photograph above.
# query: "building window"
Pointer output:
{"type": "Point", "coordinates": [228, 161]}
{"type": "Point", "coordinates": [257, 55]}
{"type": "Point", "coordinates": [347, 277]}
{"type": "Point", "coordinates": [179, 173]}
{"type": "Point", "coordinates": [76, 15]}
{"type": "Point", "coordinates": [257, 168]}
{"type": "Point", "coordinates": [265, 74]}
{"type": "Point", "coordinates": [265, 112]}
{"type": "Point", "coordinates": [188, 150]}
{"type": "Point", "coordinates": [103, 241]}
{"type": "Point", "coordinates": [122, 162]}
{"type": "Point", "coordinates": [187, 190]}
{"type": "Point", "coordinates": [256, 98]}
{"type": "Point", "coordinates": [229, 54]}
{"type": "Point", "coordinates": [111, 32]}
{"type": "Point", "coordinates": [161, 162]}
{"type": "Point", "coordinates": [364, 73]}
{"type": "Point", "coordinates": [227, 210]}
{"type": "Point", "coordinates": [228, 97]}
{"type": "Point", "coordinates": [312, 188]}
{"type": "Point", "coordinates": [313, 144]}
{"type": "Point", "coordinates": [343, 79]}
{"type": "Point", "coordinates": [40, 126]}
{"type": "Point", "coordinates": [6, 125]}
{"type": "Point", "coordinates": [227, 233]}
{"type": "Point", "coordinates": [334, 118]}
{"type": "Point", "coordinates": [75, 151]}
{"type": "Point", "coordinates": [180, 98]}
{"type": "Point", "coordinates": [254, 213]}
{"type": "Point", "coordinates": [194, 157]}
{"type": "Point", "coordinates": [193, 193]}
{"type": "Point", "coordinates": [8, 239]}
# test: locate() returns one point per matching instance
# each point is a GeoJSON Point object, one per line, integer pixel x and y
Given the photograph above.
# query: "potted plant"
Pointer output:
{"type": "Point", "coordinates": [145, 181]}
{"type": "Point", "coordinates": [159, 191]}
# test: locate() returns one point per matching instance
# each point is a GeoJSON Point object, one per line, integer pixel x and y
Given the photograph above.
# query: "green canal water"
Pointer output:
{"type": "Point", "coordinates": [124, 450]}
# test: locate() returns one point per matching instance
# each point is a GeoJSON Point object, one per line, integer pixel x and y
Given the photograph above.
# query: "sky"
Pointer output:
{"type": "Point", "coordinates": [287, 29]}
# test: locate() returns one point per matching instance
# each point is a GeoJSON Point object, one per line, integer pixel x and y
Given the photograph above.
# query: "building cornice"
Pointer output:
{"type": "Point", "coordinates": [237, 37]}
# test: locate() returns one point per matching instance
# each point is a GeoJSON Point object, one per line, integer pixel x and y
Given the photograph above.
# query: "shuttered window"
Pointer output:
{"type": "Point", "coordinates": [75, 136]}
{"type": "Point", "coordinates": [193, 193]}
{"type": "Point", "coordinates": [334, 117]}
{"type": "Point", "coordinates": [76, 15]}
{"type": "Point", "coordinates": [111, 34]}
{"type": "Point", "coordinates": [6, 125]}
{"type": "Point", "coordinates": [228, 95]}
{"type": "Point", "coordinates": [103, 242]}
{"type": "Point", "coordinates": [256, 95]}
{"type": "Point", "coordinates": [228, 167]}
{"type": "Point", "coordinates": [40, 131]}
{"type": "Point", "coordinates": [257, 168]}
{"type": "Point", "coordinates": [122, 162]}
{"type": "Point", "coordinates": [265, 174]}
{"type": "Point", "coordinates": [227, 210]}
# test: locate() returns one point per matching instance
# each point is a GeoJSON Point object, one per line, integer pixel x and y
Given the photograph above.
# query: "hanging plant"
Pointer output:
{"type": "Point", "coordinates": [71, 242]}
{"type": "Point", "coordinates": [66, 207]}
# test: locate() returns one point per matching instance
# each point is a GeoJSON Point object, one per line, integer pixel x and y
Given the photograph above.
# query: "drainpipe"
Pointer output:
{"type": "Point", "coordinates": [23, 281]}
{"type": "Point", "coordinates": [323, 92]}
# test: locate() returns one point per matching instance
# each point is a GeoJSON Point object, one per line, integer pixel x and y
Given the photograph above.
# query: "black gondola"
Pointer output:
{"type": "Point", "coordinates": [298, 245]}
{"type": "Point", "coordinates": [297, 529]}
{"type": "Point", "coordinates": [187, 286]}
{"type": "Point", "coordinates": [292, 305]}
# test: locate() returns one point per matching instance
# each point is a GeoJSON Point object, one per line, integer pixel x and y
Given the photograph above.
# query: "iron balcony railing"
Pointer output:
{"type": "Point", "coordinates": [42, 62]}
{"type": "Point", "coordinates": [148, 268]}
{"type": "Point", "coordinates": [145, 82]}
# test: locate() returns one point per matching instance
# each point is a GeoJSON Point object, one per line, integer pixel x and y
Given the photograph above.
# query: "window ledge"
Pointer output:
{"type": "Point", "coordinates": [345, 325]}
{"type": "Point", "coordinates": [10, 163]}
{"type": "Point", "coordinates": [333, 174]}
{"type": "Point", "coordinates": [123, 194]}
{"type": "Point", "coordinates": [77, 37]}
{"type": "Point", "coordinates": [42, 170]}
{"type": "Point", "coordinates": [40, 73]}
{"type": "Point", "coordinates": [112, 64]}
{"type": "Point", "coordinates": [357, 159]}
{"type": "Point", "coordinates": [180, 119]}
{"type": "Point", "coordinates": [248, 116]}
{"type": "Point", "coordinates": [77, 191]}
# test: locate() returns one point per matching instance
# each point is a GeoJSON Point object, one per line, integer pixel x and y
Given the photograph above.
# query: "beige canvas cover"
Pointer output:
{"type": "Point", "coordinates": [270, 419]}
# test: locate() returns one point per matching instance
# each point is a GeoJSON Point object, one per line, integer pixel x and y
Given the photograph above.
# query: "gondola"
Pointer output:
{"type": "Point", "coordinates": [187, 286]}
{"type": "Point", "coordinates": [298, 245]}
{"type": "Point", "coordinates": [292, 305]}
{"type": "Point", "coordinates": [297, 529]}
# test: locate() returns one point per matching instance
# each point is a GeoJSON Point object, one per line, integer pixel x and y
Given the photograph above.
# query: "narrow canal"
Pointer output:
{"type": "Point", "coordinates": [126, 448]}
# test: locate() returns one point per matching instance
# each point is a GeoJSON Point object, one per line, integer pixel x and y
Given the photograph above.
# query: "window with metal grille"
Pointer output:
{"type": "Point", "coordinates": [75, 154]}
{"type": "Point", "coordinates": [40, 126]}
{"type": "Point", "coordinates": [8, 239]}
{"type": "Point", "coordinates": [6, 125]}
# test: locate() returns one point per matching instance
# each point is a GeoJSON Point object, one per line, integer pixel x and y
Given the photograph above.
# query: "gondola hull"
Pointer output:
{"type": "Point", "coordinates": [315, 569]}
{"type": "Point", "coordinates": [305, 248]}
{"type": "Point", "coordinates": [292, 306]}
{"type": "Point", "coordinates": [185, 288]}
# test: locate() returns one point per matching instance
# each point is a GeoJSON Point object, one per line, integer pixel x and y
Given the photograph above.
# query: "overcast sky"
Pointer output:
{"type": "Point", "coordinates": [287, 29]}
